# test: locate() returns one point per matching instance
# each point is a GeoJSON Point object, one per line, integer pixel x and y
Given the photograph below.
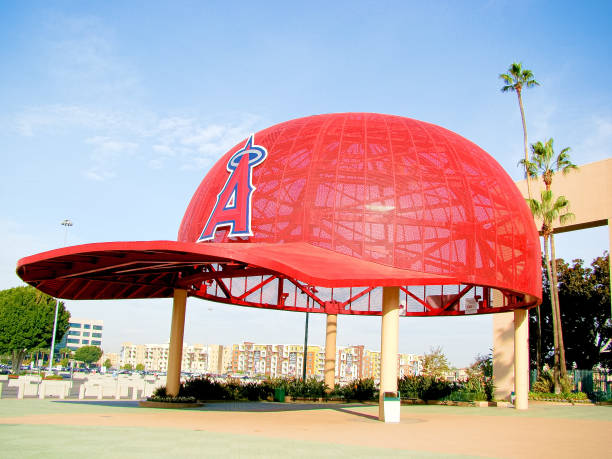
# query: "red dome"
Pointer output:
{"type": "Point", "coordinates": [385, 189]}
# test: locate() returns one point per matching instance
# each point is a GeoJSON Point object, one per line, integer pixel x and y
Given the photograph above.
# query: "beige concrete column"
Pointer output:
{"type": "Point", "coordinates": [330, 351]}
{"type": "Point", "coordinates": [503, 354]}
{"type": "Point", "coordinates": [610, 252]}
{"type": "Point", "coordinates": [175, 352]}
{"type": "Point", "coordinates": [389, 342]}
{"type": "Point", "coordinates": [521, 359]}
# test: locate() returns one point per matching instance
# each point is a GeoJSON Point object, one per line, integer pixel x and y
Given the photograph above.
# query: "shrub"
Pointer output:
{"type": "Point", "coordinates": [425, 387]}
{"type": "Point", "coordinates": [563, 397]}
{"type": "Point", "coordinates": [252, 391]}
{"type": "Point", "coordinates": [311, 388]}
{"type": "Point", "coordinates": [461, 395]}
{"type": "Point", "coordinates": [178, 399]}
{"type": "Point", "coordinates": [159, 392]}
{"type": "Point", "coordinates": [360, 389]}
{"type": "Point", "coordinates": [203, 388]}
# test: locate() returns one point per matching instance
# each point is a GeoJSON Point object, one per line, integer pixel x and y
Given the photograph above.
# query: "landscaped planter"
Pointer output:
{"type": "Point", "coordinates": [171, 405]}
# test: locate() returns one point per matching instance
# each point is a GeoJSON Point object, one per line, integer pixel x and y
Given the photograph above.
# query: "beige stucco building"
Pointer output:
{"type": "Point", "coordinates": [589, 192]}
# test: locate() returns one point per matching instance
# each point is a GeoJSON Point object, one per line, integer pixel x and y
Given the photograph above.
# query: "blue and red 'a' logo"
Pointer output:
{"type": "Point", "coordinates": [233, 206]}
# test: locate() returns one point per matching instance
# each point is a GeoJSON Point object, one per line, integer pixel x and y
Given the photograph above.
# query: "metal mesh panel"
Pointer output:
{"type": "Point", "coordinates": [391, 190]}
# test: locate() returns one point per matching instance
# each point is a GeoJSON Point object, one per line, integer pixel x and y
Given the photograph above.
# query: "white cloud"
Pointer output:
{"type": "Point", "coordinates": [112, 138]}
{"type": "Point", "coordinates": [105, 155]}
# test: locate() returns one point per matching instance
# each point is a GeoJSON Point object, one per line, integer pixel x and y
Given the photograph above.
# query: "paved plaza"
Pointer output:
{"type": "Point", "coordinates": [55, 428]}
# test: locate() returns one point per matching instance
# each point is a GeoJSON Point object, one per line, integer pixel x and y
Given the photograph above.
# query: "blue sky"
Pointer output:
{"type": "Point", "coordinates": [111, 113]}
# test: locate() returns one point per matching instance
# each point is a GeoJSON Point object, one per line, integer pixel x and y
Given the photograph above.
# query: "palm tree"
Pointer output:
{"type": "Point", "coordinates": [515, 80]}
{"type": "Point", "coordinates": [550, 210]}
{"type": "Point", "coordinates": [545, 163]}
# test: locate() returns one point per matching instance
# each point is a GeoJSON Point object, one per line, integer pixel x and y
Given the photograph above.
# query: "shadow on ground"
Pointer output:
{"type": "Point", "coordinates": [252, 407]}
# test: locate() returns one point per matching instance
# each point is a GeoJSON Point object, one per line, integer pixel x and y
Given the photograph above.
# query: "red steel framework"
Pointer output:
{"type": "Point", "coordinates": [343, 205]}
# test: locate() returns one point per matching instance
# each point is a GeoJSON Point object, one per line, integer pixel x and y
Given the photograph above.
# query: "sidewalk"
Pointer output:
{"type": "Point", "coordinates": [121, 429]}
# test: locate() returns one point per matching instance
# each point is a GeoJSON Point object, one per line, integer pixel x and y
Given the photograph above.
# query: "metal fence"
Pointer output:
{"type": "Point", "coordinates": [597, 384]}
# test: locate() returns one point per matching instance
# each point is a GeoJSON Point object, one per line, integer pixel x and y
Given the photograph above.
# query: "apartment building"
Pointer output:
{"type": "Point", "coordinates": [197, 358]}
{"type": "Point", "coordinates": [352, 362]}
{"type": "Point", "coordinates": [267, 360]}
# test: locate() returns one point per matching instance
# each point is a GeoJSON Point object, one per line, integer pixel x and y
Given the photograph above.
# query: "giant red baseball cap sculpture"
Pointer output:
{"type": "Point", "coordinates": [319, 214]}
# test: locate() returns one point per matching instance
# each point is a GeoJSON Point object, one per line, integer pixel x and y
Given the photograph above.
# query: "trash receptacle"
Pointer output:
{"type": "Point", "coordinates": [391, 407]}
{"type": "Point", "coordinates": [279, 394]}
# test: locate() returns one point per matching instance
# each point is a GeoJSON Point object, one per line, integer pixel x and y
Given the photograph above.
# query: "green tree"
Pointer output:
{"type": "Point", "coordinates": [515, 80]}
{"type": "Point", "coordinates": [435, 363]}
{"type": "Point", "coordinates": [26, 322]}
{"type": "Point", "coordinates": [587, 329]}
{"type": "Point", "coordinates": [107, 364]}
{"type": "Point", "coordinates": [128, 366]}
{"type": "Point", "coordinates": [549, 210]}
{"type": "Point", "coordinates": [140, 367]}
{"type": "Point", "coordinates": [88, 354]}
{"type": "Point", "coordinates": [585, 294]}
{"type": "Point", "coordinates": [65, 352]}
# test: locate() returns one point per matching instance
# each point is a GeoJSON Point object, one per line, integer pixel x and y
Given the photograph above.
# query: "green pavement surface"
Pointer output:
{"type": "Point", "coordinates": [55, 441]}
{"type": "Point", "coordinates": [24, 441]}
{"type": "Point", "coordinates": [27, 407]}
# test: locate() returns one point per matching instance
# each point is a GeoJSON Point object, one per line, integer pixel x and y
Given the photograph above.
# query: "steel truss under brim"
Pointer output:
{"type": "Point", "coordinates": [254, 287]}
{"type": "Point", "coordinates": [155, 269]}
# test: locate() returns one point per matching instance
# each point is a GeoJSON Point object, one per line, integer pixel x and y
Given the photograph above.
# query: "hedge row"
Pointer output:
{"type": "Point", "coordinates": [418, 387]}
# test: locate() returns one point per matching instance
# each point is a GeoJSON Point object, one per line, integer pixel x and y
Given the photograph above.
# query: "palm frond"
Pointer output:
{"type": "Point", "coordinates": [566, 218]}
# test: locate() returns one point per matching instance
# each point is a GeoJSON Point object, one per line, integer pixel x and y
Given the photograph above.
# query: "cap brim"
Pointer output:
{"type": "Point", "coordinates": [153, 269]}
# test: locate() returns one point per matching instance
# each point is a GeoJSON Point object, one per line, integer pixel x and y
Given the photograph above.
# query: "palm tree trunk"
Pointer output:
{"type": "Point", "coordinates": [555, 285]}
{"type": "Point", "coordinates": [18, 356]}
{"type": "Point", "coordinates": [520, 100]}
{"type": "Point", "coordinates": [554, 319]}
{"type": "Point", "coordinates": [538, 341]}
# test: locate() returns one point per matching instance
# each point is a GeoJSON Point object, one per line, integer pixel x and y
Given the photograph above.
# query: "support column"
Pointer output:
{"type": "Point", "coordinates": [330, 351]}
{"type": "Point", "coordinates": [175, 352]}
{"type": "Point", "coordinates": [389, 342]}
{"type": "Point", "coordinates": [521, 359]}
{"type": "Point", "coordinates": [503, 354]}
{"type": "Point", "coordinates": [610, 251]}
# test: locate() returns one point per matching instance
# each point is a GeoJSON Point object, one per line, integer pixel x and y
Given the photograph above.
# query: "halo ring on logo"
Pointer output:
{"type": "Point", "coordinates": [256, 155]}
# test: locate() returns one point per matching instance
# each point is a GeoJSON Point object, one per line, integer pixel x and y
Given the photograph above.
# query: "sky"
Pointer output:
{"type": "Point", "coordinates": [111, 113]}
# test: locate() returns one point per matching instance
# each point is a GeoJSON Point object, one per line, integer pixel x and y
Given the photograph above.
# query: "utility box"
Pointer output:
{"type": "Point", "coordinates": [279, 394]}
{"type": "Point", "coordinates": [391, 406]}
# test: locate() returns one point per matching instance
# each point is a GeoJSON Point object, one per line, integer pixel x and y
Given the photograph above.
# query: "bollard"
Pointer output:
{"type": "Point", "coordinates": [82, 392]}
{"type": "Point", "coordinates": [134, 393]}
{"type": "Point", "coordinates": [62, 391]}
{"type": "Point", "coordinates": [42, 386]}
{"type": "Point", "coordinates": [100, 391]}
{"type": "Point", "coordinates": [1, 390]}
{"type": "Point", "coordinates": [117, 391]}
{"type": "Point", "coordinates": [20, 389]}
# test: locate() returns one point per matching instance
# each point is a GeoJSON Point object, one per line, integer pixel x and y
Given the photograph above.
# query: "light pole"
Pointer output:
{"type": "Point", "coordinates": [66, 223]}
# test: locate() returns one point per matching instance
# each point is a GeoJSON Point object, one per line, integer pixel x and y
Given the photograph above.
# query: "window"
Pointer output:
{"type": "Point", "coordinates": [75, 325]}
{"type": "Point", "coordinates": [85, 341]}
{"type": "Point", "coordinates": [96, 343]}
{"type": "Point", "coordinates": [74, 332]}
{"type": "Point", "coordinates": [87, 326]}
{"type": "Point", "coordinates": [72, 341]}
{"type": "Point", "coordinates": [97, 327]}
{"type": "Point", "coordinates": [85, 333]}
{"type": "Point", "coordinates": [97, 335]}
